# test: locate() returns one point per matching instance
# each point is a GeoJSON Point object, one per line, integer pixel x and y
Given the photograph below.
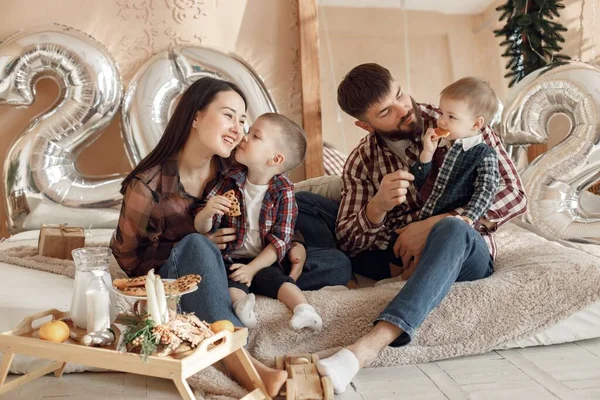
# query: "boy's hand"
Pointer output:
{"type": "Point", "coordinates": [243, 273]}
{"type": "Point", "coordinates": [430, 144]}
{"type": "Point", "coordinates": [297, 256]}
{"type": "Point", "coordinates": [217, 205]}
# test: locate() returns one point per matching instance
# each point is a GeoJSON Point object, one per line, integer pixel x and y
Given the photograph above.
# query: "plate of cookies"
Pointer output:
{"type": "Point", "coordinates": [135, 288]}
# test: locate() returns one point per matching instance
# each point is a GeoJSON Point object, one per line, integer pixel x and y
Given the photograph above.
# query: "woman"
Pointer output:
{"type": "Point", "coordinates": [163, 194]}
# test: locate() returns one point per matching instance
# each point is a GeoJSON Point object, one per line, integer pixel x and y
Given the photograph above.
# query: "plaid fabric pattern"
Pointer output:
{"type": "Point", "coordinates": [277, 217]}
{"type": "Point", "coordinates": [156, 214]}
{"type": "Point", "coordinates": [371, 160]}
{"type": "Point", "coordinates": [466, 178]}
{"type": "Point", "coordinates": [333, 160]}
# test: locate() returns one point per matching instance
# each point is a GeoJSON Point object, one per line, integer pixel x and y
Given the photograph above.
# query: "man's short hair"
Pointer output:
{"type": "Point", "coordinates": [292, 140]}
{"type": "Point", "coordinates": [477, 93]}
{"type": "Point", "coordinates": [362, 87]}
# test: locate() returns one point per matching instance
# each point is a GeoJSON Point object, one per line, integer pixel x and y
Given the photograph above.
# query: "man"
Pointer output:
{"type": "Point", "coordinates": [378, 200]}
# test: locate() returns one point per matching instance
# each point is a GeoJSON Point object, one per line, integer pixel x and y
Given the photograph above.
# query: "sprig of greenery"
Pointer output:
{"type": "Point", "coordinates": [143, 330]}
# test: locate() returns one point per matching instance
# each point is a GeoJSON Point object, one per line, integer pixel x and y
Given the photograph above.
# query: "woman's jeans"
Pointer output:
{"type": "Point", "coordinates": [453, 252]}
{"type": "Point", "coordinates": [195, 254]}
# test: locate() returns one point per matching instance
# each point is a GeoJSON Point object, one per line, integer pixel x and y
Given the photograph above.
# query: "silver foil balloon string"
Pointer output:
{"type": "Point", "coordinates": [41, 182]}
{"type": "Point", "coordinates": [556, 182]}
{"type": "Point", "coordinates": [155, 89]}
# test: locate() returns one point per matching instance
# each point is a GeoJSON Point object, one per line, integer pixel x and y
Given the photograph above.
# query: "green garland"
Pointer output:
{"type": "Point", "coordinates": [532, 38]}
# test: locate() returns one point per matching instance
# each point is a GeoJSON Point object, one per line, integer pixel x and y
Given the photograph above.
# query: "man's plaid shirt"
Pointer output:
{"type": "Point", "coordinates": [371, 160]}
{"type": "Point", "coordinates": [277, 217]}
{"type": "Point", "coordinates": [467, 177]}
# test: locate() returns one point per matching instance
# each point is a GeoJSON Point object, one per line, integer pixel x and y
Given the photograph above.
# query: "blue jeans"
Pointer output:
{"type": "Point", "coordinates": [195, 254]}
{"type": "Point", "coordinates": [316, 219]}
{"type": "Point", "coordinates": [454, 252]}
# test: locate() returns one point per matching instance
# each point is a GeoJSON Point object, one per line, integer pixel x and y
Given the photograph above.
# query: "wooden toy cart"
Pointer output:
{"type": "Point", "coordinates": [304, 382]}
{"type": "Point", "coordinates": [24, 339]}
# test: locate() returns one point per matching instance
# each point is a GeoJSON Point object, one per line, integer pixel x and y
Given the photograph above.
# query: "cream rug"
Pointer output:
{"type": "Point", "coordinates": [536, 284]}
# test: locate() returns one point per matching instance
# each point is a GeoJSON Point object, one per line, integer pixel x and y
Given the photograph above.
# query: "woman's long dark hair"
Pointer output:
{"type": "Point", "coordinates": [198, 96]}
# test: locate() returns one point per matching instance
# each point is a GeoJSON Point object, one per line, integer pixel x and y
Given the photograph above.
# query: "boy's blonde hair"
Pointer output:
{"type": "Point", "coordinates": [292, 139]}
{"type": "Point", "coordinates": [477, 93]}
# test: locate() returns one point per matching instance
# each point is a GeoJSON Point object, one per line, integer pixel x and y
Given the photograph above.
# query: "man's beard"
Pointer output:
{"type": "Point", "coordinates": [413, 130]}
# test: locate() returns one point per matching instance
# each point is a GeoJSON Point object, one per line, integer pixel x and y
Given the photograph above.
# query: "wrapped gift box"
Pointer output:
{"type": "Point", "coordinates": [58, 241]}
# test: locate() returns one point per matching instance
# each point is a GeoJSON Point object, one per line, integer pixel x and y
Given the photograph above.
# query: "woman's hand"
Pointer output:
{"type": "Point", "coordinates": [297, 256]}
{"type": "Point", "coordinates": [222, 236]}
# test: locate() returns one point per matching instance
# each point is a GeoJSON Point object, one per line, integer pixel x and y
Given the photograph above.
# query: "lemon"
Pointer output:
{"type": "Point", "coordinates": [54, 331]}
{"type": "Point", "coordinates": [222, 325]}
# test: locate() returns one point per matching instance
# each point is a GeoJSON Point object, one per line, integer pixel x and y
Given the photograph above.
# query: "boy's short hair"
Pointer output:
{"type": "Point", "coordinates": [477, 93]}
{"type": "Point", "coordinates": [362, 87]}
{"type": "Point", "coordinates": [292, 140]}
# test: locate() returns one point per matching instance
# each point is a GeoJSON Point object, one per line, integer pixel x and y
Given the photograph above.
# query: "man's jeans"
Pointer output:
{"type": "Point", "coordinates": [453, 252]}
{"type": "Point", "coordinates": [195, 254]}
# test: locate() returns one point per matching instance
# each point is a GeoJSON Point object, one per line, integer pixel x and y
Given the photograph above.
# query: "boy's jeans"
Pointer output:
{"type": "Point", "coordinates": [195, 254]}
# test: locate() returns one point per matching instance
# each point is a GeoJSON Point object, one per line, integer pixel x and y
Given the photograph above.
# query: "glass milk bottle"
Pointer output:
{"type": "Point", "coordinates": [87, 261]}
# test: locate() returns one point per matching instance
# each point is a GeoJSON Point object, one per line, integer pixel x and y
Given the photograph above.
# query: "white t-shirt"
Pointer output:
{"type": "Point", "coordinates": [398, 147]}
{"type": "Point", "coordinates": [253, 199]}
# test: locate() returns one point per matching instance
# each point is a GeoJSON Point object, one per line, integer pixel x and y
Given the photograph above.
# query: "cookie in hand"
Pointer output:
{"type": "Point", "coordinates": [235, 210]}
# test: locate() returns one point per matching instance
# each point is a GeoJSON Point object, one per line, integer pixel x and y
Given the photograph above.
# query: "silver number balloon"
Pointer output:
{"type": "Point", "coordinates": [154, 90]}
{"type": "Point", "coordinates": [41, 182]}
{"type": "Point", "coordinates": [556, 182]}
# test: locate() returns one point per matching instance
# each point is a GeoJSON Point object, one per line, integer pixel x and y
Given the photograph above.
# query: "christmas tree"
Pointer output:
{"type": "Point", "coordinates": [532, 38]}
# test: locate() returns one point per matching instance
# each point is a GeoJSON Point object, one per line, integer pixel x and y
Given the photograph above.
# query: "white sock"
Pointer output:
{"type": "Point", "coordinates": [341, 368]}
{"type": "Point", "coordinates": [244, 310]}
{"type": "Point", "coordinates": [305, 316]}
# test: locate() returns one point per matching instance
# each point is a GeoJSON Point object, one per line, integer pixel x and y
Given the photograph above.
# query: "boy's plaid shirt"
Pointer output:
{"type": "Point", "coordinates": [371, 160]}
{"type": "Point", "coordinates": [466, 178]}
{"type": "Point", "coordinates": [277, 217]}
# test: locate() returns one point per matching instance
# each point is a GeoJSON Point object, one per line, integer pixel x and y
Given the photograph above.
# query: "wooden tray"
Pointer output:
{"type": "Point", "coordinates": [24, 339]}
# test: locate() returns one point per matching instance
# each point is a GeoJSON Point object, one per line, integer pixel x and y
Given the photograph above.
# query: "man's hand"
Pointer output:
{"type": "Point", "coordinates": [243, 273]}
{"type": "Point", "coordinates": [297, 256]}
{"type": "Point", "coordinates": [411, 241]}
{"type": "Point", "coordinates": [222, 236]}
{"type": "Point", "coordinates": [392, 192]}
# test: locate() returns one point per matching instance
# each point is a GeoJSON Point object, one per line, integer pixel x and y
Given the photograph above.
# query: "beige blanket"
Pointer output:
{"type": "Point", "coordinates": [536, 284]}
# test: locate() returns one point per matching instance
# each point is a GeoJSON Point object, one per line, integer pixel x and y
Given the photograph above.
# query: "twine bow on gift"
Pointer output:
{"type": "Point", "coordinates": [63, 228]}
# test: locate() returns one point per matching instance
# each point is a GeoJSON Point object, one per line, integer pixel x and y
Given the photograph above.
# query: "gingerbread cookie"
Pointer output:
{"type": "Point", "coordinates": [236, 209]}
{"type": "Point", "coordinates": [441, 133]}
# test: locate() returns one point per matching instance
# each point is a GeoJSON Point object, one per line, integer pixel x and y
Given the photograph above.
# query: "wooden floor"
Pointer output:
{"type": "Point", "coordinates": [569, 371]}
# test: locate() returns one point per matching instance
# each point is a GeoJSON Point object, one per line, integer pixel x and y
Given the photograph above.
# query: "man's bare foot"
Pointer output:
{"type": "Point", "coordinates": [272, 378]}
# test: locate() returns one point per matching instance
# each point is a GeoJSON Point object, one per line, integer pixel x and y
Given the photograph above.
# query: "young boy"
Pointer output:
{"type": "Point", "coordinates": [258, 199]}
{"type": "Point", "coordinates": [456, 170]}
